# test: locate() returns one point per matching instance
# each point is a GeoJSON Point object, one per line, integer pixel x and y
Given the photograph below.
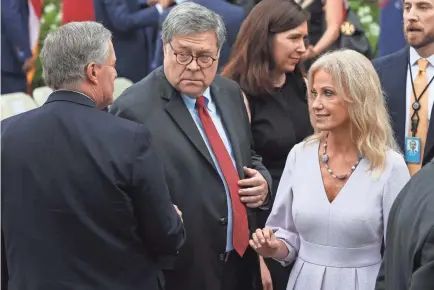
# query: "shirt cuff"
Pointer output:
{"type": "Point", "coordinates": [289, 259]}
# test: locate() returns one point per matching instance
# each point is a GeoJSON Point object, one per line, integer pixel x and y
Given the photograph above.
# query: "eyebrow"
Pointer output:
{"type": "Point", "coordinates": [182, 47]}
{"type": "Point", "coordinates": [417, 3]}
{"type": "Point", "coordinates": [295, 34]}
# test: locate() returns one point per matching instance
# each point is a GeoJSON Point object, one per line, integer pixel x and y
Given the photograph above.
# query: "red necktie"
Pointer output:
{"type": "Point", "coordinates": [240, 228]}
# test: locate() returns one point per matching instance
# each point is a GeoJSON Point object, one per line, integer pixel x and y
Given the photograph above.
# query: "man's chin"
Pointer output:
{"type": "Point", "coordinates": [192, 90]}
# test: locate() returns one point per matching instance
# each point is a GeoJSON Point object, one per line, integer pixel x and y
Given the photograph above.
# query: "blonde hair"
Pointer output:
{"type": "Point", "coordinates": [358, 85]}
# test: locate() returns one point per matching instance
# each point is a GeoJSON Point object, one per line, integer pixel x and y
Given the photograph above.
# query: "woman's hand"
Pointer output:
{"type": "Point", "coordinates": [264, 242]}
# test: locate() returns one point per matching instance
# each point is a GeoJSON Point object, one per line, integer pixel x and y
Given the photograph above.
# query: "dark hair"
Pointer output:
{"type": "Point", "coordinates": [251, 61]}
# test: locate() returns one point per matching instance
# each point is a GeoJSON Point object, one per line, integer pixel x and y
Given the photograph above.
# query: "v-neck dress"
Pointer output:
{"type": "Point", "coordinates": [336, 245]}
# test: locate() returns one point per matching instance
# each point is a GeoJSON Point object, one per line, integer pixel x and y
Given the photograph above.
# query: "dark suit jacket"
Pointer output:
{"type": "Point", "coordinates": [84, 200]}
{"type": "Point", "coordinates": [194, 183]}
{"type": "Point", "coordinates": [392, 70]}
{"type": "Point", "coordinates": [408, 262]}
{"type": "Point", "coordinates": [126, 20]}
{"type": "Point", "coordinates": [233, 16]}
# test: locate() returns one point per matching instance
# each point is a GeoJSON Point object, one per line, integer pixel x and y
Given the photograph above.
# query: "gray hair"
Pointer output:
{"type": "Point", "coordinates": [68, 49]}
{"type": "Point", "coordinates": [191, 18]}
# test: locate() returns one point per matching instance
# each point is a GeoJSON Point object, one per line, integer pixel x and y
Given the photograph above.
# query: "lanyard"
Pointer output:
{"type": "Point", "coordinates": [416, 105]}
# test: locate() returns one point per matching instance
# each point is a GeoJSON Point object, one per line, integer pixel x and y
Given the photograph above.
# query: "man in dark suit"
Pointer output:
{"type": "Point", "coordinates": [15, 46]}
{"type": "Point", "coordinates": [233, 16]}
{"type": "Point", "coordinates": [397, 80]}
{"type": "Point", "coordinates": [85, 204]}
{"type": "Point", "coordinates": [408, 262]}
{"type": "Point", "coordinates": [199, 125]}
{"type": "Point", "coordinates": [127, 20]}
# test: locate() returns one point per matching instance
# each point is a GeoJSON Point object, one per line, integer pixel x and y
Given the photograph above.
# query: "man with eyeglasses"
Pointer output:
{"type": "Point", "coordinates": [201, 130]}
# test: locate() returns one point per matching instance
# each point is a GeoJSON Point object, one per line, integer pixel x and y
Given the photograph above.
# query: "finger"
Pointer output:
{"type": "Point", "coordinates": [250, 182]}
{"type": "Point", "coordinates": [251, 199]}
{"type": "Point", "coordinates": [256, 241]}
{"type": "Point", "coordinates": [257, 190]}
{"type": "Point", "coordinates": [254, 205]}
{"type": "Point", "coordinates": [249, 171]}
{"type": "Point", "coordinates": [260, 236]}
{"type": "Point", "coordinates": [266, 233]}
{"type": "Point", "coordinates": [252, 244]}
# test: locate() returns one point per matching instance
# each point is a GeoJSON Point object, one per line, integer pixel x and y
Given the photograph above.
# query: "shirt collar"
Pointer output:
{"type": "Point", "coordinates": [191, 102]}
{"type": "Point", "coordinates": [64, 90]}
{"type": "Point", "coordinates": [414, 57]}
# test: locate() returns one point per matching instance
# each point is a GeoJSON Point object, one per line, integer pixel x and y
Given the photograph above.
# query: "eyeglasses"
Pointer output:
{"type": "Point", "coordinates": [204, 61]}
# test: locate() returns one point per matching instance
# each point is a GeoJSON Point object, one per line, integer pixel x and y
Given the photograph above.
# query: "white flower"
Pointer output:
{"type": "Point", "coordinates": [374, 29]}
{"type": "Point", "coordinates": [49, 8]}
{"type": "Point", "coordinates": [366, 19]}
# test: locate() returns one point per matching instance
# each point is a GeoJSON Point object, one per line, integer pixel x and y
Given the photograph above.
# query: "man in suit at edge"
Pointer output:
{"type": "Point", "coordinates": [408, 262]}
{"type": "Point", "coordinates": [127, 20]}
{"type": "Point", "coordinates": [200, 126]}
{"type": "Point", "coordinates": [16, 53]}
{"type": "Point", "coordinates": [398, 82]}
{"type": "Point", "coordinates": [85, 204]}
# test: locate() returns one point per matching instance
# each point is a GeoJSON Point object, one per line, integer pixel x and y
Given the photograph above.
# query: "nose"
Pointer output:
{"type": "Point", "coordinates": [316, 104]}
{"type": "Point", "coordinates": [302, 48]}
{"type": "Point", "coordinates": [411, 14]}
{"type": "Point", "coordinates": [193, 66]}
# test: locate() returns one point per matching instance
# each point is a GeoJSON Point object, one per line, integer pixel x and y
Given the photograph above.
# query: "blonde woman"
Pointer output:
{"type": "Point", "coordinates": [337, 188]}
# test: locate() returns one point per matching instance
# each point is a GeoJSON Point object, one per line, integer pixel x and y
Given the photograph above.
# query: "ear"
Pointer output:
{"type": "Point", "coordinates": [164, 48]}
{"type": "Point", "coordinates": [91, 73]}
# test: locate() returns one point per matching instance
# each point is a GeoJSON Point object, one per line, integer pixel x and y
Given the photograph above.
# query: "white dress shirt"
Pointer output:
{"type": "Point", "coordinates": [414, 57]}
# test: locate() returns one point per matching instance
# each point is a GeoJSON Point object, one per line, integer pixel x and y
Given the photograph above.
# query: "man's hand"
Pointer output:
{"type": "Point", "coordinates": [310, 53]}
{"type": "Point", "coordinates": [254, 188]}
{"type": "Point", "coordinates": [29, 64]}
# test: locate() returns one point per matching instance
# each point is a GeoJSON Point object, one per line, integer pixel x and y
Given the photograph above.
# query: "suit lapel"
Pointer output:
{"type": "Point", "coordinates": [226, 109]}
{"type": "Point", "coordinates": [397, 95]}
{"type": "Point", "coordinates": [180, 114]}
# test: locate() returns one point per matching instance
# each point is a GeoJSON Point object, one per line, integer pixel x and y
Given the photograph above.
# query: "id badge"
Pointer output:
{"type": "Point", "coordinates": [412, 149]}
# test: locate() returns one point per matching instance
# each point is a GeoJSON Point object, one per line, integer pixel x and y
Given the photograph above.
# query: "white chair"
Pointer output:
{"type": "Point", "coordinates": [121, 84]}
{"type": "Point", "coordinates": [15, 103]}
{"type": "Point", "coordinates": [41, 95]}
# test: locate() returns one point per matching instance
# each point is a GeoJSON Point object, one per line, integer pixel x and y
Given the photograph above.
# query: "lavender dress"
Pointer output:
{"type": "Point", "coordinates": [336, 246]}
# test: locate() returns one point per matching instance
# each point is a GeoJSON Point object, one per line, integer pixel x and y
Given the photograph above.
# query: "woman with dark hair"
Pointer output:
{"type": "Point", "coordinates": [264, 62]}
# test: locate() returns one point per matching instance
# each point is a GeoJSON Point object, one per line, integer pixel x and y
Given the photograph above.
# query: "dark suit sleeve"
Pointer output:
{"type": "Point", "coordinates": [14, 30]}
{"type": "Point", "coordinates": [422, 278]}
{"type": "Point", "coordinates": [159, 225]}
{"type": "Point", "coordinates": [124, 20]}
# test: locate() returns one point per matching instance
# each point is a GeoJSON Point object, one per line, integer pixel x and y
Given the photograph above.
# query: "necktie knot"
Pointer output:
{"type": "Point", "coordinates": [423, 64]}
{"type": "Point", "coordinates": [200, 102]}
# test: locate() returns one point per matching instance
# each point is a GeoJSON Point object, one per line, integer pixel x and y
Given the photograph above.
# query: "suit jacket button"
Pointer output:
{"type": "Point", "coordinates": [224, 221]}
{"type": "Point", "coordinates": [222, 257]}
